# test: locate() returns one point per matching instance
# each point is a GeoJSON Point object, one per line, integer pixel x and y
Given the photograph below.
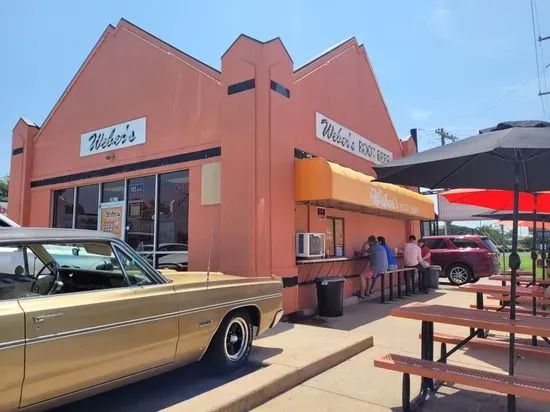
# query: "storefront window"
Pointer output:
{"type": "Point", "coordinates": [87, 207]}
{"type": "Point", "coordinates": [112, 191]}
{"type": "Point", "coordinates": [140, 213]}
{"type": "Point", "coordinates": [173, 223]}
{"type": "Point", "coordinates": [63, 202]}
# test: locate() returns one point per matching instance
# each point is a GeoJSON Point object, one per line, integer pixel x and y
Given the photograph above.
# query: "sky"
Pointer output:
{"type": "Point", "coordinates": [459, 65]}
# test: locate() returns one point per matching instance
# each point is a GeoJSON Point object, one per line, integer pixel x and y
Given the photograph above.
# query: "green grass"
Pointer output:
{"type": "Point", "coordinates": [526, 263]}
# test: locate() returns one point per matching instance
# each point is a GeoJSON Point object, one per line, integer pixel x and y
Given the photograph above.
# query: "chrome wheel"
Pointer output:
{"type": "Point", "coordinates": [459, 275]}
{"type": "Point", "coordinates": [236, 339]}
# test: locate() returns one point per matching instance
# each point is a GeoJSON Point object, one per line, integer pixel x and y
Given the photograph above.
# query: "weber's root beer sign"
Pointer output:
{"type": "Point", "coordinates": [337, 135]}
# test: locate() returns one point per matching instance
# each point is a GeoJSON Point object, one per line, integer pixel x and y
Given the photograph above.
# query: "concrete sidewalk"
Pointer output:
{"type": "Point", "coordinates": [357, 385]}
{"type": "Point", "coordinates": [289, 355]}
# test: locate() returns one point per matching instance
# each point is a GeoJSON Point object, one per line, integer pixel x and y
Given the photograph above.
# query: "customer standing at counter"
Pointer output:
{"type": "Point", "coordinates": [378, 264]}
{"type": "Point", "coordinates": [392, 262]}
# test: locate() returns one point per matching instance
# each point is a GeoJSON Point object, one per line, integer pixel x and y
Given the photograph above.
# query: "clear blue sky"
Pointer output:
{"type": "Point", "coordinates": [461, 65]}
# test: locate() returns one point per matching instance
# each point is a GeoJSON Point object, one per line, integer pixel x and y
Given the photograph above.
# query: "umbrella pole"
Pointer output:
{"type": "Point", "coordinates": [514, 263]}
{"type": "Point", "coordinates": [534, 258]}
{"type": "Point", "coordinates": [503, 250]}
{"type": "Point", "coordinates": [543, 254]}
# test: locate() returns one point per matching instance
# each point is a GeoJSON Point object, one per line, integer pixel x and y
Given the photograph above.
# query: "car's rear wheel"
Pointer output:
{"type": "Point", "coordinates": [232, 342]}
{"type": "Point", "coordinates": [459, 274]}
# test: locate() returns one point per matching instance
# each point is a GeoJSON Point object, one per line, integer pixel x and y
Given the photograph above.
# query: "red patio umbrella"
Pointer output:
{"type": "Point", "coordinates": [504, 200]}
{"type": "Point", "coordinates": [499, 199]}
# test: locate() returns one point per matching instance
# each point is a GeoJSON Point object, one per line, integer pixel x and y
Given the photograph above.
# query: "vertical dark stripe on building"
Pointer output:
{"type": "Point", "coordinates": [16, 151]}
{"type": "Point", "coordinates": [131, 167]}
{"type": "Point", "coordinates": [280, 89]}
{"type": "Point", "coordinates": [241, 87]}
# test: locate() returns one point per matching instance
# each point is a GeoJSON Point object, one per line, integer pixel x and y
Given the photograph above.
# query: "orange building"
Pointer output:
{"type": "Point", "coordinates": [206, 168]}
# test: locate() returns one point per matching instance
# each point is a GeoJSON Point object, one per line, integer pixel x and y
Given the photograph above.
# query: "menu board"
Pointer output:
{"type": "Point", "coordinates": [111, 218]}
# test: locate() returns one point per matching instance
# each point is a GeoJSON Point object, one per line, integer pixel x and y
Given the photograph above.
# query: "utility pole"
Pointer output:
{"type": "Point", "coordinates": [452, 138]}
{"type": "Point", "coordinates": [445, 136]}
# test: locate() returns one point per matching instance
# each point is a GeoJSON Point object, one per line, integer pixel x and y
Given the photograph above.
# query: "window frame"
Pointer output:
{"type": "Point", "coordinates": [473, 242]}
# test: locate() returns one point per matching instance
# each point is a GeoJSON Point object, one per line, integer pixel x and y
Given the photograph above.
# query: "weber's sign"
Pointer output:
{"type": "Point", "coordinates": [337, 135]}
{"type": "Point", "coordinates": [130, 133]}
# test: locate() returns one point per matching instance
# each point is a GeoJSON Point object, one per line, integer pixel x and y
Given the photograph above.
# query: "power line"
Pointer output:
{"type": "Point", "coordinates": [535, 40]}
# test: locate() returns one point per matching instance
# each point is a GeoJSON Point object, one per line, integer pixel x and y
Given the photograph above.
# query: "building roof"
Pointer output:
{"type": "Point", "coordinates": [28, 234]}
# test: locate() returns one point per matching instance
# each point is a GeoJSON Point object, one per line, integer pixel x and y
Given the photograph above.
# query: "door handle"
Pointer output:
{"type": "Point", "coordinates": [41, 318]}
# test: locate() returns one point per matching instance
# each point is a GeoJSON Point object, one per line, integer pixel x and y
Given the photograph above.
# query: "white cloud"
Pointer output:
{"type": "Point", "coordinates": [420, 115]}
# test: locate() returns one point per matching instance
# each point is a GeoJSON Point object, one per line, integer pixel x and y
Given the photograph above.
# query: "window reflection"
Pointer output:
{"type": "Point", "coordinates": [112, 191]}
{"type": "Point", "coordinates": [63, 203]}
{"type": "Point", "coordinates": [140, 213]}
{"type": "Point", "coordinates": [173, 227]}
{"type": "Point", "coordinates": [86, 209]}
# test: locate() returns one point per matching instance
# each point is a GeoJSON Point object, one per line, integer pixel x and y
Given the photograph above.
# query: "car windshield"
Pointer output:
{"type": "Point", "coordinates": [489, 244]}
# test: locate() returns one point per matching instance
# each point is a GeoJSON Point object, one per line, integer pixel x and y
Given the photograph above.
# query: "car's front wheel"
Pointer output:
{"type": "Point", "coordinates": [459, 274]}
{"type": "Point", "coordinates": [232, 342]}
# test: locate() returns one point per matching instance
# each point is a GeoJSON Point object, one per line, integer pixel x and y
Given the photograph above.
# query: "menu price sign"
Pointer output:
{"type": "Point", "coordinates": [111, 218]}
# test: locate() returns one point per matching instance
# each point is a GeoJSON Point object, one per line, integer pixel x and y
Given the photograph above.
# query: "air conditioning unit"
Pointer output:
{"type": "Point", "coordinates": [310, 245]}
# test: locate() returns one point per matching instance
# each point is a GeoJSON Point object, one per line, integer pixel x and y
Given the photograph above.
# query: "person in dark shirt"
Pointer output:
{"type": "Point", "coordinates": [392, 262]}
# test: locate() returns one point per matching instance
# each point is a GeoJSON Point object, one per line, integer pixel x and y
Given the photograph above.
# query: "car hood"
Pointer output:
{"type": "Point", "coordinates": [200, 278]}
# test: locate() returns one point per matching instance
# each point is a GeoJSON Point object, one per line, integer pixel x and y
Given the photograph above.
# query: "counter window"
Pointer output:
{"type": "Point", "coordinates": [63, 202]}
{"type": "Point", "coordinates": [334, 242]}
{"type": "Point", "coordinates": [86, 207]}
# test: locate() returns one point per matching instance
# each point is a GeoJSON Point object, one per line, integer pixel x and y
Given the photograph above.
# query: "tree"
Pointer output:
{"type": "Point", "coordinates": [4, 186]}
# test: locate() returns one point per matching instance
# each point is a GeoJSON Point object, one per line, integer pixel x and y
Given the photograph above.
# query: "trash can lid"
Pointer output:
{"type": "Point", "coordinates": [435, 267]}
{"type": "Point", "coordinates": [330, 279]}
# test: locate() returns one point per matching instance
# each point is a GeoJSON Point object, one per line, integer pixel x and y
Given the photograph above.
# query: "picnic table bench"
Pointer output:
{"type": "Point", "coordinates": [439, 371]}
{"type": "Point", "coordinates": [519, 279]}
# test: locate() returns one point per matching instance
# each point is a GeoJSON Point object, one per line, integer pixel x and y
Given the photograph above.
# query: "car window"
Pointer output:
{"type": "Point", "coordinates": [489, 244]}
{"type": "Point", "coordinates": [435, 243]}
{"type": "Point", "coordinates": [23, 273]}
{"type": "Point", "coordinates": [133, 269]}
{"type": "Point", "coordinates": [465, 244]}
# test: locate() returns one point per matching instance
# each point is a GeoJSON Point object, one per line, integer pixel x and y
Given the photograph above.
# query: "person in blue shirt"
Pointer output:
{"type": "Point", "coordinates": [392, 262]}
{"type": "Point", "coordinates": [378, 264]}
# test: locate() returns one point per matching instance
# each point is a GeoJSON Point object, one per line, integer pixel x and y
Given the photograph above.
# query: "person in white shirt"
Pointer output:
{"type": "Point", "coordinates": [412, 256]}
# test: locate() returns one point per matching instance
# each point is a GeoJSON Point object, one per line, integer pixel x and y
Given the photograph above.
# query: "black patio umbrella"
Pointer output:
{"type": "Point", "coordinates": [511, 156]}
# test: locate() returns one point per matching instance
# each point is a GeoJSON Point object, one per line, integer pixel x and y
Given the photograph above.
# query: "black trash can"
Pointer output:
{"type": "Point", "coordinates": [330, 295]}
{"type": "Point", "coordinates": [433, 276]}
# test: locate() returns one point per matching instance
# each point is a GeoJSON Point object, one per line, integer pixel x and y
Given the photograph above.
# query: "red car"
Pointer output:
{"type": "Point", "coordinates": [464, 258]}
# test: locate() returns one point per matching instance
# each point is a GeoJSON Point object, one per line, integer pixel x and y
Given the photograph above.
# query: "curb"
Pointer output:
{"type": "Point", "coordinates": [290, 379]}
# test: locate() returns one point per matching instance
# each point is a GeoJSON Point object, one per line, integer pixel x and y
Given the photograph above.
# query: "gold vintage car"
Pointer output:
{"type": "Point", "coordinates": [81, 312]}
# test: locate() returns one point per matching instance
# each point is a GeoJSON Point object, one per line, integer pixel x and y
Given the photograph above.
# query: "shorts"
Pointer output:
{"type": "Point", "coordinates": [367, 274]}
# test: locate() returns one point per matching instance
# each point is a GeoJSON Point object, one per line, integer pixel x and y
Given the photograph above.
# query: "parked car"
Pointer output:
{"type": "Point", "coordinates": [7, 222]}
{"type": "Point", "coordinates": [464, 258]}
{"type": "Point", "coordinates": [75, 329]}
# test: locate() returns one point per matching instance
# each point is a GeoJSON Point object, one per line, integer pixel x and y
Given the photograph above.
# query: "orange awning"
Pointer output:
{"type": "Point", "coordinates": [322, 183]}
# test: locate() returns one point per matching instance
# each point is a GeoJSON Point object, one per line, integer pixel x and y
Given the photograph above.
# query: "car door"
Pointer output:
{"type": "Point", "coordinates": [12, 348]}
{"type": "Point", "coordinates": [80, 339]}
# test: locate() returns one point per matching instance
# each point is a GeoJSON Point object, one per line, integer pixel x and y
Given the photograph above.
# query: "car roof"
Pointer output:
{"type": "Point", "coordinates": [27, 234]}
{"type": "Point", "coordinates": [455, 237]}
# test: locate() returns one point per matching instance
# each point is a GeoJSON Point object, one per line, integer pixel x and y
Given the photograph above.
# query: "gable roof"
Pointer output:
{"type": "Point", "coordinates": [275, 39]}
{"type": "Point", "coordinates": [145, 35]}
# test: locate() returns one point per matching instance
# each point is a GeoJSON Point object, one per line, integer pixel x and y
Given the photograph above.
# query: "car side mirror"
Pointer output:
{"type": "Point", "coordinates": [75, 251]}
